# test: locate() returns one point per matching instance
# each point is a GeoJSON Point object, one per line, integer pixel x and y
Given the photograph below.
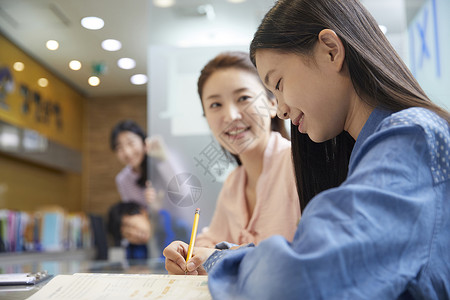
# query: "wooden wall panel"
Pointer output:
{"type": "Point", "coordinates": [27, 186]}
{"type": "Point", "coordinates": [57, 116]}
{"type": "Point", "coordinates": [41, 118]}
{"type": "Point", "coordinates": [100, 163]}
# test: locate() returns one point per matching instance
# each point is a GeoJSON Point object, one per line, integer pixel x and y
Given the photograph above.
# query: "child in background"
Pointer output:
{"type": "Point", "coordinates": [129, 225]}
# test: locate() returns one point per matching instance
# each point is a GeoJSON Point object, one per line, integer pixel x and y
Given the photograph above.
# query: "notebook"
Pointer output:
{"type": "Point", "coordinates": [84, 286]}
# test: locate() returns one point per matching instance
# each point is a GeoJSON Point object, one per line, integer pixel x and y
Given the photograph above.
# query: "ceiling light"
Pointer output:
{"type": "Point", "coordinates": [383, 28]}
{"type": "Point", "coordinates": [52, 45]}
{"type": "Point", "coordinates": [111, 45]}
{"type": "Point", "coordinates": [92, 23]}
{"type": "Point", "coordinates": [126, 63]}
{"type": "Point", "coordinates": [43, 82]}
{"type": "Point", "coordinates": [18, 66]}
{"type": "Point", "coordinates": [236, 1]}
{"type": "Point", "coordinates": [75, 65]}
{"type": "Point", "coordinates": [163, 3]}
{"type": "Point", "coordinates": [138, 79]}
{"type": "Point", "coordinates": [94, 81]}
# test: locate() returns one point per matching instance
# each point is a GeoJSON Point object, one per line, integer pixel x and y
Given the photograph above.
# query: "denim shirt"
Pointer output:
{"type": "Point", "coordinates": [383, 234]}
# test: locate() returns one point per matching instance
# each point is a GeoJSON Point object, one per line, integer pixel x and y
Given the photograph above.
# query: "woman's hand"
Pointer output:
{"type": "Point", "coordinates": [156, 148]}
{"type": "Point", "coordinates": [176, 253]}
{"type": "Point", "coordinates": [153, 198]}
{"type": "Point", "coordinates": [136, 228]}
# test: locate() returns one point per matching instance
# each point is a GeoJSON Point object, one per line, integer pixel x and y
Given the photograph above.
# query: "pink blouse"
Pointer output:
{"type": "Point", "coordinates": [130, 191]}
{"type": "Point", "coordinates": [277, 208]}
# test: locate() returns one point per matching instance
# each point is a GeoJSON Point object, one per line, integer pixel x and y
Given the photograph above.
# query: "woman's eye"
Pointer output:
{"type": "Point", "coordinates": [277, 87]}
{"type": "Point", "coordinates": [214, 105]}
{"type": "Point", "coordinates": [243, 98]}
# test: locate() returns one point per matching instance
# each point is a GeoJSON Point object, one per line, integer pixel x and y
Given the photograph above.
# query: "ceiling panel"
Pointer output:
{"type": "Point", "coordinates": [30, 23]}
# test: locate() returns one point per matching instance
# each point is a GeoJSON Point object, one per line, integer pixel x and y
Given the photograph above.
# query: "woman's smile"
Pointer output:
{"type": "Point", "coordinates": [238, 132]}
{"type": "Point", "coordinates": [231, 103]}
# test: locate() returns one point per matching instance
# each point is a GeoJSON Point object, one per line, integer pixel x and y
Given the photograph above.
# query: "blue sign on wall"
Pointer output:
{"type": "Point", "coordinates": [429, 35]}
{"type": "Point", "coordinates": [6, 86]}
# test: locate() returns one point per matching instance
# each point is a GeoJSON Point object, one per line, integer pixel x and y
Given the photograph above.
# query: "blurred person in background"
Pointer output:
{"type": "Point", "coordinates": [134, 150]}
{"type": "Point", "coordinates": [130, 227]}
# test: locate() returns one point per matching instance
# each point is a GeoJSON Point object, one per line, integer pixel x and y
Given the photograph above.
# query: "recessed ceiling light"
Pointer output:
{"type": "Point", "coordinates": [43, 82]}
{"type": "Point", "coordinates": [163, 3]}
{"type": "Point", "coordinates": [92, 23]}
{"type": "Point", "coordinates": [383, 28]}
{"type": "Point", "coordinates": [138, 79]}
{"type": "Point", "coordinates": [75, 65]}
{"type": "Point", "coordinates": [126, 63]}
{"type": "Point", "coordinates": [111, 45]}
{"type": "Point", "coordinates": [236, 1]}
{"type": "Point", "coordinates": [94, 81]}
{"type": "Point", "coordinates": [52, 45]}
{"type": "Point", "coordinates": [18, 66]}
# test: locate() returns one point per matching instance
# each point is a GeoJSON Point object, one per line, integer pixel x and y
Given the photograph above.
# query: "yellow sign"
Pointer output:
{"type": "Point", "coordinates": [31, 97]}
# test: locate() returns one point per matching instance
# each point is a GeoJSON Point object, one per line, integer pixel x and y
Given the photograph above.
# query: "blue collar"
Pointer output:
{"type": "Point", "coordinates": [369, 128]}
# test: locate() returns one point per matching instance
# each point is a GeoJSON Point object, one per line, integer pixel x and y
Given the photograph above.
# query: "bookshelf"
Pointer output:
{"type": "Point", "coordinates": [30, 257]}
{"type": "Point", "coordinates": [47, 233]}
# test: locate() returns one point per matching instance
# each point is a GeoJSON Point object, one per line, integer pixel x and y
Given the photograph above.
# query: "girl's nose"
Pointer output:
{"type": "Point", "coordinates": [127, 151]}
{"type": "Point", "coordinates": [283, 111]}
{"type": "Point", "coordinates": [233, 113]}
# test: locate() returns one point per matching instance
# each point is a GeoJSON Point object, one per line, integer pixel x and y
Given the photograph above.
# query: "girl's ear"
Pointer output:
{"type": "Point", "coordinates": [331, 45]}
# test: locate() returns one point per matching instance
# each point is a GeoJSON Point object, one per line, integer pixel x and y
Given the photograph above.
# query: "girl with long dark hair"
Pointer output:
{"type": "Point", "coordinates": [383, 233]}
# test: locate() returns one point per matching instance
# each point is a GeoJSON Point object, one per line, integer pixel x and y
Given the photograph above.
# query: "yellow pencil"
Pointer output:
{"type": "Point", "coordinates": [193, 234]}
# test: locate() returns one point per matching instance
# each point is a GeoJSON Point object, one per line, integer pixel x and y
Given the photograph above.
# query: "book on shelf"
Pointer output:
{"type": "Point", "coordinates": [52, 238]}
{"type": "Point", "coordinates": [47, 229]}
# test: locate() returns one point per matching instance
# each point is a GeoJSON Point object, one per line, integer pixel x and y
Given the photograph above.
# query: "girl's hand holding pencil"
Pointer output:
{"type": "Point", "coordinates": [182, 258]}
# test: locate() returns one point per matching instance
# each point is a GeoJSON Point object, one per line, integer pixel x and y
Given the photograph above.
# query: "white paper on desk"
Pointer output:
{"type": "Point", "coordinates": [89, 286]}
{"type": "Point", "coordinates": [17, 279]}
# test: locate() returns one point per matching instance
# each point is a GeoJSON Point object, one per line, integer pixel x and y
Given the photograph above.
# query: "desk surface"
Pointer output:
{"type": "Point", "coordinates": [150, 266]}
